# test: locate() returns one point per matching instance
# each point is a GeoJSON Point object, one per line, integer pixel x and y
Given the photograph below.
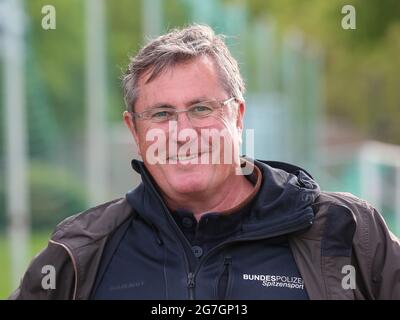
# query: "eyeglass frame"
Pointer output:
{"type": "Point", "coordinates": [139, 115]}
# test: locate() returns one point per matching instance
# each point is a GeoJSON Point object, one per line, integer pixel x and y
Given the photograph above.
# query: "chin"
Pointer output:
{"type": "Point", "coordinates": [189, 181]}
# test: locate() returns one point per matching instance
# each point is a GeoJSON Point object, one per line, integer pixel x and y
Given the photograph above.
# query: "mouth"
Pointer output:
{"type": "Point", "coordinates": [184, 157]}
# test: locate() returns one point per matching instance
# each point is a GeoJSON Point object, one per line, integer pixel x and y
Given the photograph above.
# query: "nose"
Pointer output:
{"type": "Point", "coordinates": [184, 129]}
{"type": "Point", "coordinates": [183, 120]}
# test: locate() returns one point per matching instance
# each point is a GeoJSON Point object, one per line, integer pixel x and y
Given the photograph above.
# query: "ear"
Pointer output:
{"type": "Point", "coordinates": [240, 115]}
{"type": "Point", "coordinates": [130, 124]}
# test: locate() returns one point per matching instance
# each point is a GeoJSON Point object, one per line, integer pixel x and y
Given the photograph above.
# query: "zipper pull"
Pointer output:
{"type": "Point", "coordinates": [191, 283]}
{"type": "Point", "coordinates": [223, 282]}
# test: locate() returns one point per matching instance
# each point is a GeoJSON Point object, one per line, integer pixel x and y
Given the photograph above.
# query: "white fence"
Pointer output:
{"type": "Point", "coordinates": [380, 177]}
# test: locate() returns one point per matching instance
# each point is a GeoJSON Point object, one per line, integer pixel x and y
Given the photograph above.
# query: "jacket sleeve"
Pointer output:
{"type": "Point", "coordinates": [382, 252]}
{"type": "Point", "coordinates": [50, 276]}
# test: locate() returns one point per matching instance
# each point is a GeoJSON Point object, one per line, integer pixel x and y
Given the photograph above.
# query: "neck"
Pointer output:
{"type": "Point", "coordinates": [234, 193]}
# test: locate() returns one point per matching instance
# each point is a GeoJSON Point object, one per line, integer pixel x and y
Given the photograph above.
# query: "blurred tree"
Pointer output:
{"type": "Point", "coordinates": [43, 131]}
{"type": "Point", "coordinates": [362, 65]}
{"type": "Point", "coordinates": [124, 37]}
{"type": "Point", "coordinates": [55, 194]}
{"type": "Point", "coordinates": [59, 58]}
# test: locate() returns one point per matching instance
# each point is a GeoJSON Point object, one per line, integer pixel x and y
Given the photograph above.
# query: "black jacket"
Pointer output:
{"type": "Point", "coordinates": [246, 253]}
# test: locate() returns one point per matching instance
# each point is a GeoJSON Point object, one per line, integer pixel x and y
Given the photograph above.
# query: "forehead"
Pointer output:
{"type": "Point", "coordinates": [181, 83]}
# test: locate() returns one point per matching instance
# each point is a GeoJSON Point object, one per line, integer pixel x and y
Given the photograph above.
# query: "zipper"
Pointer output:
{"type": "Point", "coordinates": [190, 275]}
{"type": "Point", "coordinates": [224, 279]}
{"type": "Point", "coordinates": [191, 283]}
{"type": "Point", "coordinates": [73, 264]}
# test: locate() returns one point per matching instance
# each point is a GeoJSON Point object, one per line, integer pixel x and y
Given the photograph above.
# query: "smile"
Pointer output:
{"type": "Point", "coordinates": [183, 157]}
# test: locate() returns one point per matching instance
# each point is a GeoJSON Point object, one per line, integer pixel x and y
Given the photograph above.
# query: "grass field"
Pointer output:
{"type": "Point", "coordinates": [38, 242]}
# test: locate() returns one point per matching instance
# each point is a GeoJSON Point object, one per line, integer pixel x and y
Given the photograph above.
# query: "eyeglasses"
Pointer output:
{"type": "Point", "coordinates": [199, 113]}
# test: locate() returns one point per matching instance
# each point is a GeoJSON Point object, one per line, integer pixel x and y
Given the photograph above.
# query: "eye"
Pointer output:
{"type": "Point", "coordinates": [201, 110]}
{"type": "Point", "coordinates": [161, 115]}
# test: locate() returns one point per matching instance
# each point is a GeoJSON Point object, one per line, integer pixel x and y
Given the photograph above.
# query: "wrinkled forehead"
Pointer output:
{"type": "Point", "coordinates": [159, 68]}
{"type": "Point", "coordinates": [179, 83]}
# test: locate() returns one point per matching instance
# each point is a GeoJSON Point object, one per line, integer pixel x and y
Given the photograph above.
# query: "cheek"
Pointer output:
{"type": "Point", "coordinates": [141, 141]}
{"type": "Point", "coordinates": [153, 145]}
{"type": "Point", "coordinates": [143, 133]}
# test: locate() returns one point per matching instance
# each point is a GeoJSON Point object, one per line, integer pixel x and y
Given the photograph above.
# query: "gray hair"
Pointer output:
{"type": "Point", "coordinates": [180, 45]}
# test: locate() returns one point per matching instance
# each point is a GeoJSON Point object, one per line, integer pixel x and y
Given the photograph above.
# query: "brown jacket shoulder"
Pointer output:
{"type": "Point", "coordinates": [348, 233]}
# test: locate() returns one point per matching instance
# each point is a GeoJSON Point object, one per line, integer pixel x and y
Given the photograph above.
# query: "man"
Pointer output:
{"type": "Point", "coordinates": [200, 226]}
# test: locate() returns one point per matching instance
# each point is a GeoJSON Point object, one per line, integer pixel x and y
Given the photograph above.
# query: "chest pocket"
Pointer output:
{"type": "Point", "coordinates": [263, 272]}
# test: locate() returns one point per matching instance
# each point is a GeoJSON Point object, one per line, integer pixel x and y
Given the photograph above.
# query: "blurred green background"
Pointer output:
{"type": "Point", "coordinates": [335, 91]}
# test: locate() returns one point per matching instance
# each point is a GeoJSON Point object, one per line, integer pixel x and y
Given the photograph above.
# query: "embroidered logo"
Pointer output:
{"type": "Point", "coordinates": [276, 280]}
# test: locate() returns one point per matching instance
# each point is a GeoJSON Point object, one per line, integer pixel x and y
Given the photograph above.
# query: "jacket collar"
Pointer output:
{"type": "Point", "coordinates": [282, 204]}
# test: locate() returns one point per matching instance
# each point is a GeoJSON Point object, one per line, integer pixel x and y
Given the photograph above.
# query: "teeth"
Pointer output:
{"type": "Point", "coordinates": [184, 158]}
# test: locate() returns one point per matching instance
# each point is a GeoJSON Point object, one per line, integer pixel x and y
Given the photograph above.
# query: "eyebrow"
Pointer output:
{"type": "Point", "coordinates": [187, 104]}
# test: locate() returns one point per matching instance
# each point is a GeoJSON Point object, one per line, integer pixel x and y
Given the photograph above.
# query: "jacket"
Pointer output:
{"type": "Point", "coordinates": [327, 233]}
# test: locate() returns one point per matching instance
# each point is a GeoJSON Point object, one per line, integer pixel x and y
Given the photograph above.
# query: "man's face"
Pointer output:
{"type": "Point", "coordinates": [179, 87]}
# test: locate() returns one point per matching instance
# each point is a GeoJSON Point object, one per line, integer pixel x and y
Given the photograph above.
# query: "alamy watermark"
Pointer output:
{"type": "Point", "coordinates": [349, 280]}
{"type": "Point", "coordinates": [349, 20]}
{"type": "Point", "coordinates": [49, 279]}
{"type": "Point", "coordinates": [49, 20]}
{"type": "Point", "coordinates": [203, 146]}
